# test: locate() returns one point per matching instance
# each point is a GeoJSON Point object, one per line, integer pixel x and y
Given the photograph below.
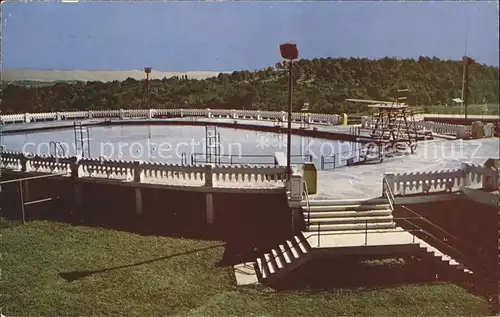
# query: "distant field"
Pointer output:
{"type": "Point", "coordinates": [93, 75]}
{"type": "Point", "coordinates": [54, 269]}
{"type": "Point", "coordinates": [484, 109]}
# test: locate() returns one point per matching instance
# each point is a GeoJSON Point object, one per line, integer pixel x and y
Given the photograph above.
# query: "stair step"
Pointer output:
{"type": "Point", "coordinates": [286, 253]}
{"type": "Point", "coordinates": [279, 262]}
{"type": "Point", "coordinates": [374, 201]}
{"type": "Point", "coordinates": [297, 247]}
{"type": "Point", "coordinates": [329, 214]}
{"type": "Point", "coordinates": [305, 243]}
{"type": "Point", "coordinates": [351, 231]}
{"type": "Point", "coordinates": [351, 220]}
{"type": "Point", "coordinates": [263, 268]}
{"type": "Point", "coordinates": [445, 258]}
{"type": "Point", "coordinates": [301, 245]}
{"type": "Point", "coordinates": [270, 263]}
{"type": "Point", "coordinates": [293, 250]}
{"type": "Point", "coordinates": [354, 226]}
{"type": "Point", "coordinates": [350, 207]}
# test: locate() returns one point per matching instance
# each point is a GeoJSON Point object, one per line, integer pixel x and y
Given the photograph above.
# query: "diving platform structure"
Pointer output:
{"type": "Point", "coordinates": [391, 130]}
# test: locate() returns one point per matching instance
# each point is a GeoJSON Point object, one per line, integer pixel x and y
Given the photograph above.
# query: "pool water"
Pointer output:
{"type": "Point", "coordinates": [179, 144]}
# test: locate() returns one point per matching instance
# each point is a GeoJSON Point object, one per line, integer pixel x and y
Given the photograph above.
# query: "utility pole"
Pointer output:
{"type": "Point", "coordinates": [289, 52]}
{"type": "Point", "coordinates": [467, 62]}
{"type": "Point", "coordinates": [147, 70]}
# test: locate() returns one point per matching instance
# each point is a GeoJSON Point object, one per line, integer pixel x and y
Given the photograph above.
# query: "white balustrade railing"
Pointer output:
{"type": "Point", "coordinates": [153, 173]}
{"type": "Point", "coordinates": [109, 169]}
{"type": "Point", "coordinates": [320, 118]}
{"type": "Point", "coordinates": [11, 161]}
{"type": "Point", "coordinates": [173, 174]}
{"type": "Point", "coordinates": [49, 164]}
{"type": "Point", "coordinates": [229, 176]}
{"type": "Point", "coordinates": [443, 181]}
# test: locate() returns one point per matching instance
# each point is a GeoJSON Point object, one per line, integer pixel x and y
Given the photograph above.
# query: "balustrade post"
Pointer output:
{"type": "Point", "coordinates": [137, 171]}
{"type": "Point", "coordinates": [208, 176]}
{"type": "Point", "coordinates": [77, 191]}
{"type": "Point", "coordinates": [466, 177]}
{"type": "Point", "coordinates": [295, 186]}
{"type": "Point", "coordinates": [74, 167]}
{"type": "Point", "coordinates": [138, 200]}
{"type": "Point", "coordinates": [209, 208]}
{"type": "Point", "coordinates": [24, 162]}
{"type": "Point", "coordinates": [296, 190]}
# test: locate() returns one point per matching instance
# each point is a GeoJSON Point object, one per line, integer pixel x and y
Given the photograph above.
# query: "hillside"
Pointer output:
{"type": "Point", "coordinates": [325, 83]}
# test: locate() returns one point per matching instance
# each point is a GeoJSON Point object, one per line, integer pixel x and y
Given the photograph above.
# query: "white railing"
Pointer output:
{"type": "Point", "coordinates": [442, 181]}
{"type": "Point", "coordinates": [318, 118]}
{"type": "Point", "coordinates": [153, 173]}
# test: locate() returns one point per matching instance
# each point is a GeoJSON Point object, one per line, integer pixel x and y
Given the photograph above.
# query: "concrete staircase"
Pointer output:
{"type": "Point", "coordinates": [348, 215]}
{"type": "Point", "coordinates": [358, 225]}
{"type": "Point", "coordinates": [283, 258]}
{"type": "Point", "coordinates": [432, 252]}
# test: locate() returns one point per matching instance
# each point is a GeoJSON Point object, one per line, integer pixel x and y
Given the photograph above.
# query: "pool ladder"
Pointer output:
{"type": "Point", "coordinates": [184, 160]}
{"type": "Point", "coordinates": [58, 149]}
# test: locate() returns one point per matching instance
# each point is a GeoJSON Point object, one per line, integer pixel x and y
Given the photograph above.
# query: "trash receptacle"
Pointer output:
{"type": "Point", "coordinates": [477, 130]}
{"type": "Point", "coordinates": [344, 119]}
{"type": "Point", "coordinates": [310, 175]}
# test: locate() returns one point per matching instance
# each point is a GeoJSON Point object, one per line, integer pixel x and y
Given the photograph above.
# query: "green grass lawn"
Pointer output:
{"type": "Point", "coordinates": [122, 274]}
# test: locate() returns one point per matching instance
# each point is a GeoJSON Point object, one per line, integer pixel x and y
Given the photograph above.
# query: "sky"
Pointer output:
{"type": "Point", "coordinates": [227, 36]}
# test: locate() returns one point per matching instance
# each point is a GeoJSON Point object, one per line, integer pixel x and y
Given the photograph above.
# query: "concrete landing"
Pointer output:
{"type": "Point", "coordinates": [397, 236]}
{"type": "Point", "coordinates": [245, 274]}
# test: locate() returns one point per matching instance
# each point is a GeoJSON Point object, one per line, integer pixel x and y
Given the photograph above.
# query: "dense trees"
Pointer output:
{"type": "Point", "coordinates": [323, 82]}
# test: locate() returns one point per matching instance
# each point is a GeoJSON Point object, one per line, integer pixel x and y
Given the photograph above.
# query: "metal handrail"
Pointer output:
{"type": "Point", "coordinates": [419, 229]}
{"type": "Point", "coordinates": [308, 205]}
{"type": "Point", "coordinates": [389, 193]}
{"type": "Point", "coordinates": [183, 158]}
{"type": "Point", "coordinates": [194, 160]}
{"type": "Point", "coordinates": [56, 145]}
{"type": "Point", "coordinates": [323, 159]}
{"type": "Point", "coordinates": [391, 199]}
{"type": "Point", "coordinates": [287, 248]}
{"type": "Point", "coordinates": [449, 235]}
{"type": "Point", "coordinates": [406, 219]}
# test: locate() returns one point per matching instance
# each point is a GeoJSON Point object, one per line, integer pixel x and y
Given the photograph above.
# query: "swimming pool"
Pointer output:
{"type": "Point", "coordinates": [177, 144]}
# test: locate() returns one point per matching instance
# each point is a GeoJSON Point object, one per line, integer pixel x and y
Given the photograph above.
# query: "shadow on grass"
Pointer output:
{"type": "Point", "coordinates": [76, 275]}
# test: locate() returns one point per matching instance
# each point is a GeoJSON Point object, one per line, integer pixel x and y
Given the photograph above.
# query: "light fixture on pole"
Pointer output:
{"type": "Point", "coordinates": [147, 70]}
{"type": "Point", "coordinates": [290, 52]}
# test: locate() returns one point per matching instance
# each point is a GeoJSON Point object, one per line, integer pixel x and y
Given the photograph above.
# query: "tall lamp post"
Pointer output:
{"type": "Point", "coordinates": [290, 52]}
{"type": "Point", "coordinates": [467, 61]}
{"type": "Point", "coordinates": [147, 71]}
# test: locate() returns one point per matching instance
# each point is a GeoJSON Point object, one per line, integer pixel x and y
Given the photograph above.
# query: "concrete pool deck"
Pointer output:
{"type": "Point", "coordinates": [365, 181]}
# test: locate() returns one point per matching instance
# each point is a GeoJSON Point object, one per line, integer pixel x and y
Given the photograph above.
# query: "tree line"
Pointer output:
{"type": "Point", "coordinates": [324, 83]}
